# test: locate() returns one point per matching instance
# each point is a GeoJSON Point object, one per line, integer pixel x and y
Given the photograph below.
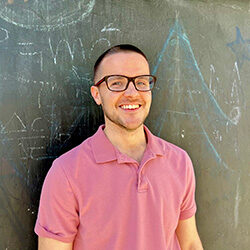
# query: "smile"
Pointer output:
{"type": "Point", "coordinates": [130, 107]}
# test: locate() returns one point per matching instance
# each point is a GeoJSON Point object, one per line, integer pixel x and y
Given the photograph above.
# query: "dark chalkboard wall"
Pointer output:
{"type": "Point", "coordinates": [200, 53]}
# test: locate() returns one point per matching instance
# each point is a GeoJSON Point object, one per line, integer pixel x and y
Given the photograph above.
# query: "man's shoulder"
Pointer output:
{"type": "Point", "coordinates": [76, 158]}
{"type": "Point", "coordinates": [76, 152]}
{"type": "Point", "coordinates": [169, 147]}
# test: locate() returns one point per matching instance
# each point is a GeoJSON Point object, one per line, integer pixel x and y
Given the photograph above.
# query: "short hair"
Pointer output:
{"type": "Point", "coordinates": [116, 49]}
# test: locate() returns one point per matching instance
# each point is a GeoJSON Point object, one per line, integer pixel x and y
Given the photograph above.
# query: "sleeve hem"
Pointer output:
{"type": "Point", "coordinates": [42, 232]}
{"type": "Point", "coordinates": [188, 213]}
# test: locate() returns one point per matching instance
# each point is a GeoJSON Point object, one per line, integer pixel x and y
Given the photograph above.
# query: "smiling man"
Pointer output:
{"type": "Point", "coordinates": [123, 188]}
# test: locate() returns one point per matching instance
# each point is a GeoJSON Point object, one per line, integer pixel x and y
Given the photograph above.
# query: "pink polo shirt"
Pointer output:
{"type": "Point", "coordinates": [103, 200]}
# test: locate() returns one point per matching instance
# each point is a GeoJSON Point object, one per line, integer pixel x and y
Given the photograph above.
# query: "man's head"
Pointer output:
{"type": "Point", "coordinates": [125, 101]}
{"type": "Point", "coordinates": [114, 50]}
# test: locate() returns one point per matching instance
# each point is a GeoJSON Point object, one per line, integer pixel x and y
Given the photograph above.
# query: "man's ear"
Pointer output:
{"type": "Point", "coordinates": [95, 94]}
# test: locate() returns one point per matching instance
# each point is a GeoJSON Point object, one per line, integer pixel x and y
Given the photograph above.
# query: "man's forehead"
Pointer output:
{"type": "Point", "coordinates": [124, 60]}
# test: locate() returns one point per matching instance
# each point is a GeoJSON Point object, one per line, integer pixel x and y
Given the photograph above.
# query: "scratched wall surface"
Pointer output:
{"type": "Point", "coordinates": [200, 53]}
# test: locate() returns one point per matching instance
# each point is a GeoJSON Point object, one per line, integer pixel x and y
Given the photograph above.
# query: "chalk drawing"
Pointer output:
{"type": "Point", "coordinates": [33, 147]}
{"type": "Point", "coordinates": [178, 45]}
{"type": "Point", "coordinates": [15, 124]}
{"type": "Point", "coordinates": [34, 125]}
{"type": "Point", "coordinates": [46, 15]}
{"type": "Point", "coordinates": [241, 48]}
{"type": "Point", "coordinates": [109, 28]}
{"type": "Point", "coordinates": [4, 35]}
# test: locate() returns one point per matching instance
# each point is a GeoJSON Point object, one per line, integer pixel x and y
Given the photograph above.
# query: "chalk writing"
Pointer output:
{"type": "Point", "coordinates": [39, 54]}
{"type": "Point", "coordinates": [213, 81]}
{"type": "Point", "coordinates": [98, 41]}
{"type": "Point", "coordinates": [73, 50]}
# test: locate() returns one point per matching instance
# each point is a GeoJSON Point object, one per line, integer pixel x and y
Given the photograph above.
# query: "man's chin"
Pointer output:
{"type": "Point", "coordinates": [131, 126]}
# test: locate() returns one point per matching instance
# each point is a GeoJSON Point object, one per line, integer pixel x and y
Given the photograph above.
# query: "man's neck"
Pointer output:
{"type": "Point", "coordinates": [130, 142]}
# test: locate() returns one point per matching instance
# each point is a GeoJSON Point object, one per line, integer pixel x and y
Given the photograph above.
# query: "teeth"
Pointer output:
{"type": "Point", "coordinates": [130, 106]}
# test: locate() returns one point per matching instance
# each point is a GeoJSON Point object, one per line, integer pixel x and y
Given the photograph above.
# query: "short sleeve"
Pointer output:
{"type": "Point", "coordinates": [188, 207]}
{"type": "Point", "coordinates": [58, 210]}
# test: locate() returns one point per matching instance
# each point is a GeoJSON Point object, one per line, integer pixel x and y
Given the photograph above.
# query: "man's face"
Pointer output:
{"type": "Point", "coordinates": [127, 109]}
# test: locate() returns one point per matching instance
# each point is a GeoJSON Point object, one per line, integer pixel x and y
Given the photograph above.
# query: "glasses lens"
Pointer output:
{"type": "Point", "coordinates": [144, 83]}
{"type": "Point", "coordinates": [117, 83]}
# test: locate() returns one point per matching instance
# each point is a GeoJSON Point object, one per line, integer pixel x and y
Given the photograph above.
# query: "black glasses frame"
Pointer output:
{"type": "Point", "coordinates": [130, 79]}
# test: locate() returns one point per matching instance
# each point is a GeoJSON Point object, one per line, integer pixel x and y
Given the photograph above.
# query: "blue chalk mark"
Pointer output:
{"type": "Point", "coordinates": [177, 34]}
{"type": "Point", "coordinates": [241, 48]}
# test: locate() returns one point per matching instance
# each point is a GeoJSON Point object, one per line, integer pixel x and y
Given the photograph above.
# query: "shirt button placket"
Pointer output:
{"type": "Point", "coordinates": [142, 184]}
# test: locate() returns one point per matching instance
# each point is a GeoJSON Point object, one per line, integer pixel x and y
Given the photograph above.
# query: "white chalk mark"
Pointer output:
{"type": "Point", "coordinates": [235, 115]}
{"type": "Point", "coordinates": [217, 135]}
{"type": "Point", "coordinates": [23, 150]}
{"type": "Point", "coordinates": [180, 113]}
{"type": "Point", "coordinates": [212, 85]}
{"type": "Point", "coordinates": [39, 53]}
{"type": "Point", "coordinates": [15, 124]}
{"type": "Point", "coordinates": [182, 133]}
{"type": "Point", "coordinates": [237, 203]}
{"type": "Point", "coordinates": [72, 51]}
{"type": "Point", "coordinates": [32, 137]}
{"type": "Point", "coordinates": [237, 71]}
{"type": "Point", "coordinates": [109, 28]}
{"type": "Point", "coordinates": [236, 7]}
{"type": "Point", "coordinates": [75, 50]}
{"type": "Point", "coordinates": [47, 15]}
{"type": "Point", "coordinates": [6, 34]}
{"type": "Point", "coordinates": [25, 44]}
{"type": "Point", "coordinates": [75, 72]}
{"type": "Point", "coordinates": [34, 124]}
{"type": "Point", "coordinates": [54, 55]}
{"type": "Point", "coordinates": [99, 40]}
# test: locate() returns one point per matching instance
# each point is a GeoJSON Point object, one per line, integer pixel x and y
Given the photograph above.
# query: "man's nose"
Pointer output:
{"type": "Point", "coordinates": [131, 90]}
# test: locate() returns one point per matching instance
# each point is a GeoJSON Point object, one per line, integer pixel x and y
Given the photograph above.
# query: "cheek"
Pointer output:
{"type": "Point", "coordinates": [148, 98]}
{"type": "Point", "coordinates": [109, 100]}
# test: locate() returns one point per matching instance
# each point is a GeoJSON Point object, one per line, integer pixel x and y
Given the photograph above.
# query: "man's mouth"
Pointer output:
{"type": "Point", "coordinates": [130, 106]}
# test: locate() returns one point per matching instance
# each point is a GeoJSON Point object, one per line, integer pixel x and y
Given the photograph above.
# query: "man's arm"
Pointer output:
{"type": "Point", "coordinates": [187, 235]}
{"type": "Point", "coordinates": [51, 244]}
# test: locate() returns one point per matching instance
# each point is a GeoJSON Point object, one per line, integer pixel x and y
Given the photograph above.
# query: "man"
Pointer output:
{"type": "Point", "coordinates": [123, 188]}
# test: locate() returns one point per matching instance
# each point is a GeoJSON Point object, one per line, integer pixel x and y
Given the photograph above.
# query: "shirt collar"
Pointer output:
{"type": "Point", "coordinates": [104, 150]}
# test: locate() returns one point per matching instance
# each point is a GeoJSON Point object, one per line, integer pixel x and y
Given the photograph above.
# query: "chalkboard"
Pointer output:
{"type": "Point", "coordinates": [200, 53]}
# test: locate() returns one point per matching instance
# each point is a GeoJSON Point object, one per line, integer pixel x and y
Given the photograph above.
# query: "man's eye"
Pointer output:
{"type": "Point", "coordinates": [141, 83]}
{"type": "Point", "coordinates": [116, 84]}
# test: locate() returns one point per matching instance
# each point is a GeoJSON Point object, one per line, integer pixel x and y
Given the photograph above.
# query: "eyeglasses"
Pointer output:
{"type": "Point", "coordinates": [119, 83]}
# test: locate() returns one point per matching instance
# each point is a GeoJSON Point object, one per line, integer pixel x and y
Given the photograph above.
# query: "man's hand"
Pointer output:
{"type": "Point", "coordinates": [51, 244]}
{"type": "Point", "coordinates": [187, 235]}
